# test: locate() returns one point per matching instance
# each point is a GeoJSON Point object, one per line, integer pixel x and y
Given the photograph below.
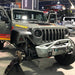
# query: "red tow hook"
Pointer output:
{"type": "Point", "coordinates": [12, 28]}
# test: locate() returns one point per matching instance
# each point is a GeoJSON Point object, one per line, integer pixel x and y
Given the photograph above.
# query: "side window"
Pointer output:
{"type": "Point", "coordinates": [9, 13]}
{"type": "Point", "coordinates": [39, 17]}
{"type": "Point", "coordinates": [2, 15]}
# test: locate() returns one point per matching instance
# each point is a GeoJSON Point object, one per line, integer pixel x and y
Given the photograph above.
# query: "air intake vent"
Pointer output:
{"type": "Point", "coordinates": [52, 34]}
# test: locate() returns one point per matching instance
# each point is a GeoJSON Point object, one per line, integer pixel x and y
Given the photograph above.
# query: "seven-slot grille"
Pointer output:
{"type": "Point", "coordinates": [52, 34]}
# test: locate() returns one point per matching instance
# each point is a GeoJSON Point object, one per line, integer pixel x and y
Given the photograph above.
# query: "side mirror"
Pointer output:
{"type": "Point", "coordinates": [4, 19]}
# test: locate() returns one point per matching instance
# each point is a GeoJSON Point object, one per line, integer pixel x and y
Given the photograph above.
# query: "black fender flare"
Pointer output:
{"type": "Point", "coordinates": [18, 36]}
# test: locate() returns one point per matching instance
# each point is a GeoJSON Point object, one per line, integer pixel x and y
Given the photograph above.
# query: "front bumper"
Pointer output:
{"type": "Point", "coordinates": [55, 48]}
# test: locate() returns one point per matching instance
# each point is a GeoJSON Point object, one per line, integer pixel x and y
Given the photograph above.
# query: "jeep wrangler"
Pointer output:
{"type": "Point", "coordinates": [31, 32]}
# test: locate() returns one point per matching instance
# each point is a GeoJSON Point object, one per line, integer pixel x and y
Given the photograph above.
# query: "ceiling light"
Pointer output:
{"type": "Point", "coordinates": [58, 2]}
{"type": "Point", "coordinates": [72, 6]}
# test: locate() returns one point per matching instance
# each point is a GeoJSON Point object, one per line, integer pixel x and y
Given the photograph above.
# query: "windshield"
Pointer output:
{"type": "Point", "coordinates": [28, 15]}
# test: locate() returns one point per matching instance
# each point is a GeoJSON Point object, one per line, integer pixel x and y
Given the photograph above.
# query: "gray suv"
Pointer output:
{"type": "Point", "coordinates": [37, 38]}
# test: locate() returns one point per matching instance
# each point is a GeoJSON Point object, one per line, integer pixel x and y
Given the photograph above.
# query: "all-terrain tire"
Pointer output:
{"type": "Point", "coordinates": [65, 59]}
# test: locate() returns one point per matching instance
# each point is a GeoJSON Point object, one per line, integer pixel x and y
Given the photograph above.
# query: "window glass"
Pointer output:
{"type": "Point", "coordinates": [1, 15]}
{"type": "Point", "coordinates": [28, 15]}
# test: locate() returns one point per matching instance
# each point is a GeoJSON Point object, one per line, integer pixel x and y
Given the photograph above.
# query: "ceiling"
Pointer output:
{"type": "Point", "coordinates": [67, 3]}
{"type": "Point", "coordinates": [58, 0]}
{"type": "Point", "coordinates": [62, 1]}
{"type": "Point", "coordinates": [48, 0]}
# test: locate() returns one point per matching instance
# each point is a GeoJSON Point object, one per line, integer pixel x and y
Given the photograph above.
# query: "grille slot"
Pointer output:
{"type": "Point", "coordinates": [52, 34]}
{"type": "Point", "coordinates": [43, 37]}
{"type": "Point", "coordinates": [47, 35]}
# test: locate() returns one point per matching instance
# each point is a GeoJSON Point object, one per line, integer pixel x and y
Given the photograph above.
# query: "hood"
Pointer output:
{"type": "Point", "coordinates": [36, 24]}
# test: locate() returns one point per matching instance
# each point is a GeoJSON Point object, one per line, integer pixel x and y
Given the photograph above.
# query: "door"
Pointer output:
{"type": "Point", "coordinates": [5, 26]}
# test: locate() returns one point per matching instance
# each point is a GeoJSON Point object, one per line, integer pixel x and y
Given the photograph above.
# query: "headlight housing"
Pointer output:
{"type": "Point", "coordinates": [38, 33]}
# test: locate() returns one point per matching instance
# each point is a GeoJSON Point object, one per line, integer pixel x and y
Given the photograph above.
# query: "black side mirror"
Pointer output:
{"type": "Point", "coordinates": [4, 19]}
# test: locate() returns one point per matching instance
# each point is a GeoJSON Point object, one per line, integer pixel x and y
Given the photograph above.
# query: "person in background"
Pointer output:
{"type": "Point", "coordinates": [59, 22]}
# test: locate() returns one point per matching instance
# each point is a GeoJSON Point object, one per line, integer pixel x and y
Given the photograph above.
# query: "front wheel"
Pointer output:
{"type": "Point", "coordinates": [68, 58]}
{"type": "Point", "coordinates": [65, 59]}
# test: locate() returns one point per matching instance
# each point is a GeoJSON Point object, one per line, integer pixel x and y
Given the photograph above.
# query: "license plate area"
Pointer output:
{"type": "Point", "coordinates": [58, 51]}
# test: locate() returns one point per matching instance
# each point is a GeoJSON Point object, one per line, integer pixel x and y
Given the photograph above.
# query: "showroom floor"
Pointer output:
{"type": "Point", "coordinates": [45, 66]}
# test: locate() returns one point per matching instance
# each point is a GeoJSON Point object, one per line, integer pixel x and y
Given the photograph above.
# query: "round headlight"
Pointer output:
{"type": "Point", "coordinates": [38, 33]}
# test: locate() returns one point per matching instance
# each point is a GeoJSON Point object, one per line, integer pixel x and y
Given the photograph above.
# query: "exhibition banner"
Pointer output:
{"type": "Point", "coordinates": [30, 4]}
{"type": "Point", "coordinates": [27, 4]}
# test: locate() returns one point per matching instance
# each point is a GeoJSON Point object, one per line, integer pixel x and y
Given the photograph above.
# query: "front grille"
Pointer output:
{"type": "Point", "coordinates": [52, 34]}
